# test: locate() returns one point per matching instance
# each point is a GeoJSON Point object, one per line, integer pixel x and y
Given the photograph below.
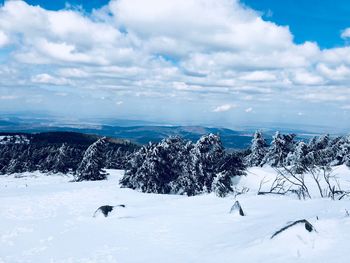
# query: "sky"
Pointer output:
{"type": "Point", "coordinates": [215, 62]}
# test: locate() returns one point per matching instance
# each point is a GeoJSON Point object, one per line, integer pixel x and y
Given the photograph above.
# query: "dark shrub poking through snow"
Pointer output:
{"type": "Point", "coordinates": [237, 208]}
{"type": "Point", "coordinates": [306, 223]}
{"type": "Point", "coordinates": [106, 209]}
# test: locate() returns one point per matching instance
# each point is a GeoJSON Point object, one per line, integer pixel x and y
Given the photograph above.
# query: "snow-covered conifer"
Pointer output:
{"type": "Point", "coordinates": [208, 153]}
{"type": "Point", "coordinates": [319, 143]}
{"type": "Point", "coordinates": [91, 167]}
{"type": "Point", "coordinates": [299, 158]}
{"type": "Point", "coordinates": [180, 167]}
{"type": "Point", "coordinates": [258, 150]}
{"type": "Point", "coordinates": [62, 160]}
{"type": "Point", "coordinates": [281, 146]}
{"type": "Point", "coordinates": [230, 166]}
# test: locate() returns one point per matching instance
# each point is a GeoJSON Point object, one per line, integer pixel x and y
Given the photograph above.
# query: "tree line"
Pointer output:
{"type": "Point", "coordinates": [175, 165]}
{"type": "Point", "coordinates": [285, 150]}
{"type": "Point", "coordinates": [178, 166]}
{"type": "Point", "coordinates": [61, 157]}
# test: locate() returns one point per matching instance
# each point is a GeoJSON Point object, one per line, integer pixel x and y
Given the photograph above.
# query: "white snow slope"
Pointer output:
{"type": "Point", "coordinates": [49, 219]}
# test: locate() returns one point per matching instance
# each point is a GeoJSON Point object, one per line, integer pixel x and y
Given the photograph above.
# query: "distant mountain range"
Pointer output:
{"type": "Point", "coordinates": [136, 131]}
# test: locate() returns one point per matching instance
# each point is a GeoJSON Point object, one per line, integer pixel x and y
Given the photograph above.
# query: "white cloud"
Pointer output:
{"type": "Point", "coordinates": [3, 39]}
{"type": "Point", "coordinates": [335, 56]}
{"type": "Point", "coordinates": [339, 72]}
{"type": "Point", "coordinates": [307, 78]}
{"type": "Point", "coordinates": [62, 51]}
{"type": "Point", "coordinates": [8, 97]}
{"type": "Point", "coordinates": [250, 109]}
{"type": "Point", "coordinates": [72, 73]}
{"type": "Point", "coordinates": [248, 97]}
{"type": "Point", "coordinates": [345, 107]}
{"type": "Point", "coordinates": [345, 33]}
{"type": "Point", "coordinates": [200, 25]}
{"type": "Point", "coordinates": [185, 87]}
{"type": "Point", "coordinates": [224, 107]}
{"type": "Point", "coordinates": [324, 97]}
{"type": "Point", "coordinates": [259, 76]}
{"type": "Point", "coordinates": [49, 79]}
{"type": "Point", "coordinates": [61, 36]}
{"type": "Point", "coordinates": [61, 94]}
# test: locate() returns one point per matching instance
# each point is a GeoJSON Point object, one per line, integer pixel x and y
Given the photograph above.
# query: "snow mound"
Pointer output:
{"type": "Point", "coordinates": [298, 238]}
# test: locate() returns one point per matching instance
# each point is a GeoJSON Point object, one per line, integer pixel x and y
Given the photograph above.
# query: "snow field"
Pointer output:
{"type": "Point", "coordinates": [49, 219]}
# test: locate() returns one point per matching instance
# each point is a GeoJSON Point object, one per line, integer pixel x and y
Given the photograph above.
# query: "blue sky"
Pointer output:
{"type": "Point", "coordinates": [310, 20]}
{"type": "Point", "coordinates": [214, 62]}
{"type": "Point", "coordinates": [60, 4]}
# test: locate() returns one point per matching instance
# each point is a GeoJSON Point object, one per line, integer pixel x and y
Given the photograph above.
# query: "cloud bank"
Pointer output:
{"type": "Point", "coordinates": [195, 53]}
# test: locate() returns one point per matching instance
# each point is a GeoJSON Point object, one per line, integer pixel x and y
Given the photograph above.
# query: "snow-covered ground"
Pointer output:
{"type": "Point", "coordinates": [49, 219]}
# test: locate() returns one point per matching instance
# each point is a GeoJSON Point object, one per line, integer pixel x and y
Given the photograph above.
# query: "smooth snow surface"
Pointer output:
{"type": "Point", "coordinates": [49, 219]}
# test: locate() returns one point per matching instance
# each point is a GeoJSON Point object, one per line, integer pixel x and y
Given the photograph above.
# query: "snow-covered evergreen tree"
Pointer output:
{"type": "Point", "coordinates": [207, 154]}
{"type": "Point", "coordinates": [340, 149]}
{"type": "Point", "coordinates": [258, 150]}
{"type": "Point", "coordinates": [299, 159]}
{"type": "Point", "coordinates": [46, 158]}
{"type": "Point", "coordinates": [222, 184]}
{"type": "Point", "coordinates": [115, 158]}
{"type": "Point", "coordinates": [91, 167]}
{"type": "Point", "coordinates": [14, 166]}
{"type": "Point", "coordinates": [230, 166]}
{"type": "Point", "coordinates": [186, 182]}
{"type": "Point", "coordinates": [62, 160]}
{"type": "Point", "coordinates": [319, 143]}
{"type": "Point", "coordinates": [180, 167]}
{"type": "Point", "coordinates": [133, 178]}
{"type": "Point", "coordinates": [156, 170]}
{"type": "Point", "coordinates": [281, 146]}
{"type": "Point", "coordinates": [325, 151]}
{"type": "Point", "coordinates": [53, 155]}
{"type": "Point", "coordinates": [20, 162]}
{"type": "Point", "coordinates": [156, 167]}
